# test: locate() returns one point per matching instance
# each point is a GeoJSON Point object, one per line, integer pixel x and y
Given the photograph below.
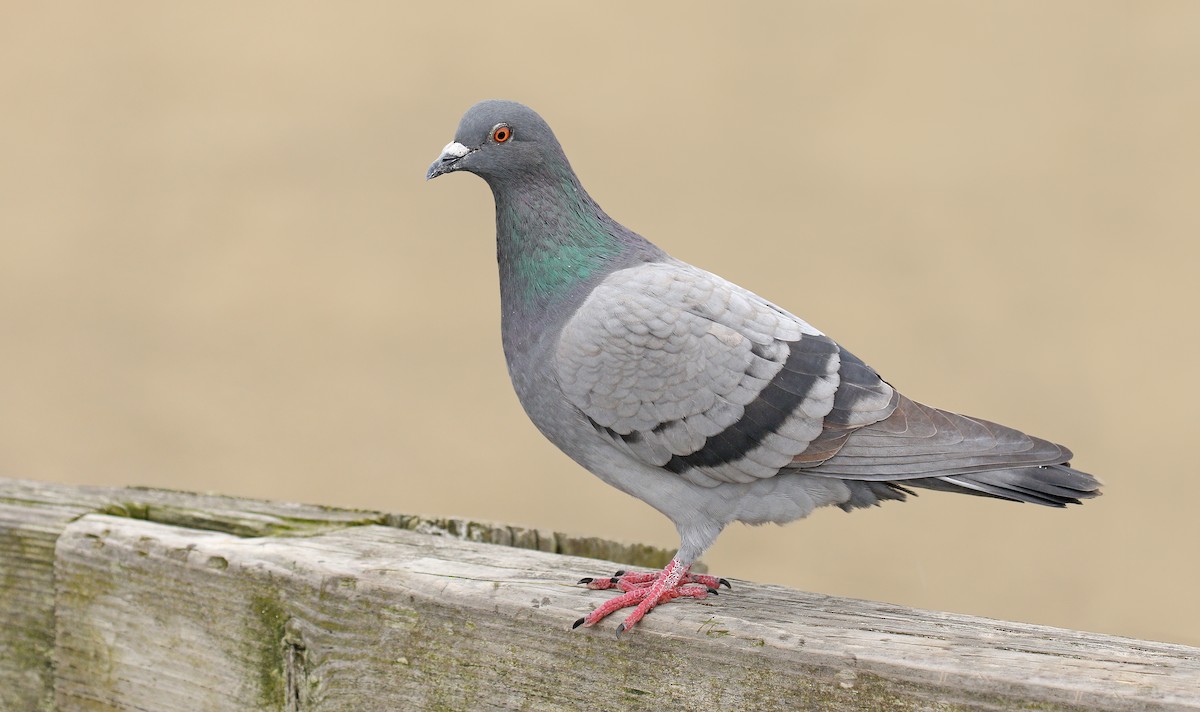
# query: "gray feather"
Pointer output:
{"type": "Point", "coordinates": [701, 398]}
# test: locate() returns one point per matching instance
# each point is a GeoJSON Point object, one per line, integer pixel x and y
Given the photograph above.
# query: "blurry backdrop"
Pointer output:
{"type": "Point", "coordinates": [221, 268]}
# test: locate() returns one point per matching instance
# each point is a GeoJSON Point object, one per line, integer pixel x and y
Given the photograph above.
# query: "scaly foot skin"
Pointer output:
{"type": "Point", "coordinates": [629, 580]}
{"type": "Point", "coordinates": [643, 590]}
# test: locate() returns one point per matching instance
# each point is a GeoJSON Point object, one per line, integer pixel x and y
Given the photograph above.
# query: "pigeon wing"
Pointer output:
{"type": "Point", "coordinates": [689, 372]}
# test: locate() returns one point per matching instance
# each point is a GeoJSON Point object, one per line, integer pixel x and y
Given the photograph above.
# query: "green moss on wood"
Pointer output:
{"type": "Point", "coordinates": [26, 631]}
{"type": "Point", "coordinates": [635, 555]}
{"type": "Point", "coordinates": [246, 523]}
{"type": "Point", "coordinates": [268, 649]}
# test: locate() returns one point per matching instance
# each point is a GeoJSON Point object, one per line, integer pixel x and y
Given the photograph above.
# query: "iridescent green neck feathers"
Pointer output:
{"type": "Point", "coordinates": [551, 238]}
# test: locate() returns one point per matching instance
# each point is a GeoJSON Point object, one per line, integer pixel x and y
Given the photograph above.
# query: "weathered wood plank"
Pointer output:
{"type": "Point", "coordinates": [153, 616]}
{"type": "Point", "coordinates": [27, 537]}
{"type": "Point", "coordinates": [256, 517]}
{"type": "Point", "coordinates": [33, 514]}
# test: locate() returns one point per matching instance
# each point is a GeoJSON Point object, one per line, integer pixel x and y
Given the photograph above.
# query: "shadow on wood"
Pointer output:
{"type": "Point", "coordinates": [201, 602]}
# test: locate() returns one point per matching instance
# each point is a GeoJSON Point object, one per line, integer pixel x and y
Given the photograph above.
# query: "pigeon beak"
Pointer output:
{"type": "Point", "coordinates": [448, 161]}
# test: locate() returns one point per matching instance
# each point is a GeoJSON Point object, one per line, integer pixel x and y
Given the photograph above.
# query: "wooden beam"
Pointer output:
{"type": "Point", "coordinates": [146, 615]}
{"type": "Point", "coordinates": [34, 514]}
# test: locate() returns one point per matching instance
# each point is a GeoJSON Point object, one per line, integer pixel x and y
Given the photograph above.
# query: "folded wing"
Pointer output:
{"type": "Point", "coordinates": [691, 373]}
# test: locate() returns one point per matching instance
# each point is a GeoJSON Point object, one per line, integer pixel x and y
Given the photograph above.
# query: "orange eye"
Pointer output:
{"type": "Point", "coordinates": [501, 133]}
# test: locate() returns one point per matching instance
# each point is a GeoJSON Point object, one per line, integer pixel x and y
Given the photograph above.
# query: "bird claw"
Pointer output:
{"type": "Point", "coordinates": [643, 591]}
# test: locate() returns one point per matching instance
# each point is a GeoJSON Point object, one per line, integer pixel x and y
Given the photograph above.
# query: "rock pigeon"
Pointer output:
{"type": "Point", "coordinates": [702, 399]}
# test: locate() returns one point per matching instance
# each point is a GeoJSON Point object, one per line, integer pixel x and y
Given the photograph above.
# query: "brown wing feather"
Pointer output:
{"type": "Point", "coordinates": [916, 440]}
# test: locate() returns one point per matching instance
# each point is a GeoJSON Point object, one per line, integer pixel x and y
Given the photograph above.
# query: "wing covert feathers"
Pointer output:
{"type": "Point", "coordinates": [691, 373]}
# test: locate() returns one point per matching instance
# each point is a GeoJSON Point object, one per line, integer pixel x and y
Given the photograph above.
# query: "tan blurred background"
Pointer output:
{"type": "Point", "coordinates": [221, 268]}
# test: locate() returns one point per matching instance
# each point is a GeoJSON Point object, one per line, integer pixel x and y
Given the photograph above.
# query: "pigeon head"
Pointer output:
{"type": "Point", "coordinates": [497, 140]}
{"type": "Point", "coordinates": [552, 239]}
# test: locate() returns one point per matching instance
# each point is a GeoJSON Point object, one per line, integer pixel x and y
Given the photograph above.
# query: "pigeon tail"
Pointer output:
{"type": "Point", "coordinates": [1048, 485]}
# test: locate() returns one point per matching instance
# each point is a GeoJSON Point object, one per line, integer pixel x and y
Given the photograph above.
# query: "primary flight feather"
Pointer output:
{"type": "Point", "coordinates": [704, 400]}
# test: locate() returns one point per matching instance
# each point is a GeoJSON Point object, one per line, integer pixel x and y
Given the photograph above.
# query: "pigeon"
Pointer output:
{"type": "Point", "coordinates": [698, 397]}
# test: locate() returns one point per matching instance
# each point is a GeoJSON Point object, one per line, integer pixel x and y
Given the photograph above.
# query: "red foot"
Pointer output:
{"type": "Point", "coordinates": [644, 590]}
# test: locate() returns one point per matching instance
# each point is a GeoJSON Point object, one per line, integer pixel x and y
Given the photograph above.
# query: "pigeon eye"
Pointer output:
{"type": "Point", "coordinates": [501, 133]}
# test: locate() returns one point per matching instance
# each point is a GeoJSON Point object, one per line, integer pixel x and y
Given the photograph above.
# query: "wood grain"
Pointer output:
{"type": "Point", "coordinates": [34, 514]}
{"type": "Point", "coordinates": [136, 599]}
{"type": "Point", "coordinates": [152, 616]}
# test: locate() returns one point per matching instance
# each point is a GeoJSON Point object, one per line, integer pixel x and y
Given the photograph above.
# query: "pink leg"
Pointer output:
{"type": "Point", "coordinates": [645, 590]}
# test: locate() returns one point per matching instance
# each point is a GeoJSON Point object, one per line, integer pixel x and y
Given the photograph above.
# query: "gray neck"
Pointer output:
{"type": "Point", "coordinates": [553, 242]}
